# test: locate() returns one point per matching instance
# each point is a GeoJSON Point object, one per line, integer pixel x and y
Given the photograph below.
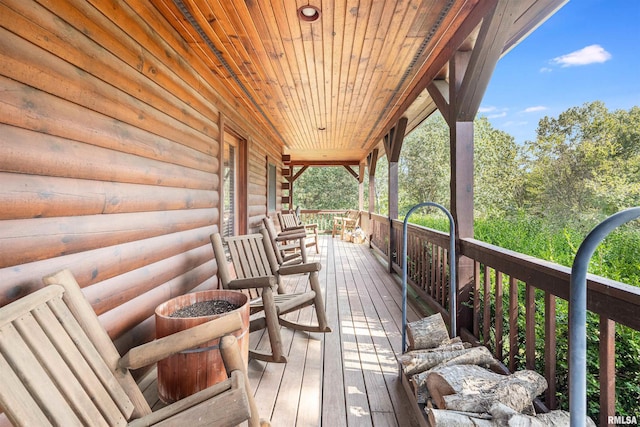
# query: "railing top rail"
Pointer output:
{"type": "Point", "coordinates": [615, 300]}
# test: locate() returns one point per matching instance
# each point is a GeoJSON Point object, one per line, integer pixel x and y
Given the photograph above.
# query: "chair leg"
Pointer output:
{"type": "Point", "coordinates": [232, 359]}
{"type": "Point", "coordinates": [318, 302]}
{"type": "Point", "coordinates": [273, 326]}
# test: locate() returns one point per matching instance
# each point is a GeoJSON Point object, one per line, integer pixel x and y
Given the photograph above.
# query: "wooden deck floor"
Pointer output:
{"type": "Point", "coordinates": [348, 377]}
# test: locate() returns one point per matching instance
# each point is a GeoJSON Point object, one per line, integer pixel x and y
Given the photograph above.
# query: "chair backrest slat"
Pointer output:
{"type": "Point", "coordinates": [288, 220]}
{"type": "Point", "coordinates": [62, 376]}
{"type": "Point", "coordinates": [14, 395]}
{"type": "Point", "coordinates": [65, 366]}
{"type": "Point", "coordinates": [248, 256]}
{"type": "Point", "coordinates": [90, 368]}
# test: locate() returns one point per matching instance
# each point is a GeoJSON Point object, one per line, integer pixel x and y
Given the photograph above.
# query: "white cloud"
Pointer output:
{"type": "Point", "coordinates": [546, 70]}
{"type": "Point", "coordinates": [585, 56]}
{"type": "Point", "coordinates": [534, 109]}
{"type": "Point", "coordinates": [497, 116]}
{"type": "Point", "coordinates": [512, 124]}
{"type": "Point", "coordinates": [486, 109]}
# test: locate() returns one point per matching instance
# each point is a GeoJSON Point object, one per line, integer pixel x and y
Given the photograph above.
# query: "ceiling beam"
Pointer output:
{"type": "Point", "coordinates": [372, 161]}
{"type": "Point", "coordinates": [493, 35]}
{"type": "Point", "coordinates": [443, 55]}
{"type": "Point", "coordinates": [297, 175]}
{"type": "Point", "coordinates": [393, 140]}
{"type": "Point", "coordinates": [439, 91]}
{"type": "Point", "coordinates": [352, 172]}
{"type": "Point", "coordinates": [324, 162]}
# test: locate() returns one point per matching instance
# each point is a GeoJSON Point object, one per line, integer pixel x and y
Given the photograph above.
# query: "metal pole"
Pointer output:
{"type": "Point", "coordinates": [452, 270]}
{"type": "Point", "coordinates": [578, 313]}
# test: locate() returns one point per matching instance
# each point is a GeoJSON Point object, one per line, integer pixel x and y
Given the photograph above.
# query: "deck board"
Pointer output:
{"type": "Point", "coordinates": [349, 377]}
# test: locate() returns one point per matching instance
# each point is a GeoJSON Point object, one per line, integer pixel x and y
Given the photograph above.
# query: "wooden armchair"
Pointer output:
{"type": "Point", "coordinates": [59, 367]}
{"type": "Point", "coordinates": [289, 246]}
{"type": "Point", "coordinates": [291, 221]}
{"type": "Point", "coordinates": [257, 272]}
{"type": "Point", "coordinates": [342, 224]}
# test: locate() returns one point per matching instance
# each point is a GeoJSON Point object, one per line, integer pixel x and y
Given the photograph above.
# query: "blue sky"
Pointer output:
{"type": "Point", "coordinates": [588, 51]}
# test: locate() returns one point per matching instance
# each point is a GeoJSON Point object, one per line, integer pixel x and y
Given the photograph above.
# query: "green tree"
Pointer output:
{"type": "Point", "coordinates": [496, 170]}
{"type": "Point", "coordinates": [326, 188]}
{"type": "Point", "coordinates": [585, 162]}
{"type": "Point", "coordinates": [423, 172]}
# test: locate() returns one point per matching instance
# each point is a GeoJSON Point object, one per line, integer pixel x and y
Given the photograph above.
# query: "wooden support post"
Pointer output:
{"type": "Point", "coordinates": [462, 211]}
{"type": "Point", "coordinates": [361, 187]}
{"type": "Point", "coordinates": [372, 160]}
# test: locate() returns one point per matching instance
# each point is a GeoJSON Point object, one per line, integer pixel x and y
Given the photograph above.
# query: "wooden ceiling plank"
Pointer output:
{"type": "Point", "coordinates": [318, 63]}
{"type": "Point", "coordinates": [355, 72]}
{"type": "Point", "coordinates": [464, 21]}
{"type": "Point", "coordinates": [203, 63]}
{"type": "Point", "coordinates": [268, 36]}
{"type": "Point", "coordinates": [383, 81]}
{"type": "Point", "coordinates": [310, 60]}
{"type": "Point", "coordinates": [217, 24]}
{"type": "Point", "coordinates": [344, 92]}
{"type": "Point", "coordinates": [304, 85]}
{"type": "Point", "coordinates": [376, 94]}
{"type": "Point", "coordinates": [337, 45]}
{"type": "Point", "coordinates": [397, 61]}
{"type": "Point", "coordinates": [301, 115]}
{"type": "Point", "coordinates": [367, 26]}
{"type": "Point", "coordinates": [258, 42]}
{"type": "Point", "coordinates": [327, 24]}
{"type": "Point", "coordinates": [449, 14]}
{"type": "Point", "coordinates": [374, 76]}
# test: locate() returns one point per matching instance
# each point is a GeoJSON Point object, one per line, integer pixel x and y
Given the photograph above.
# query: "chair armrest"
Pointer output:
{"type": "Point", "coordinates": [292, 229]}
{"type": "Point", "coordinates": [253, 282]}
{"type": "Point", "coordinates": [291, 235]}
{"type": "Point", "coordinates": [308, 267]}
{"type": "Point", "coordinates": [230, 393]}
{"type": "Point", "coordinates": [152, 352]}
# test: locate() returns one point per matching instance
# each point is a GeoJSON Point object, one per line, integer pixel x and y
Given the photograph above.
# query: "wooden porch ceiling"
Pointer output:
{"type": "Point", "coordinates": [330, 90]}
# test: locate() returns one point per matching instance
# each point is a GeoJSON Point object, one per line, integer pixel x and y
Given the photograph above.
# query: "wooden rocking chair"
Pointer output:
{"type": "Point", "coordinates": [257, 271]}
{"type": "Point", "coordinates": [291, 221]}
{"type": "Point", "coordinates": [289, 246]}
{"type": "Point", "coordinates": [59, 367]}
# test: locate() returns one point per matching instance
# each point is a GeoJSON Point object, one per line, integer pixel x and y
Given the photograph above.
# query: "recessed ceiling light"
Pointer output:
{"type": "Point", "coordinates": [309, 13]}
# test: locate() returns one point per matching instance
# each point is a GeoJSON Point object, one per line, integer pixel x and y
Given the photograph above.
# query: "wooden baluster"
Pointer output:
{"type": "Point", "coordinates": [499, 317]}
{"type": "Point", "coordinates": [607, 369]}
{"type": "Point", "coordinates": [486, 324]}
{"type": "Point", "coordinates": [530, 326]}
{"type": "Point", "coordinates": [513, 323]}
{"type": "Point", "coordinates": [550, 349]}
{"type": "Point", "coordinates": [476, 299]}
{"type": "Point", "coordinates": [445, 275]}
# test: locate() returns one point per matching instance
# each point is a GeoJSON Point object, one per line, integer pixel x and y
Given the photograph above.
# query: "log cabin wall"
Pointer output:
{"type": "Point", "coordinates": [109, 142]}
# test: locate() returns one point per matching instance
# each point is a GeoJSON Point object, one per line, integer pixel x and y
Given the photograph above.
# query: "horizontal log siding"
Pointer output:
{"type": "Point", "coordinates": [108, 158]}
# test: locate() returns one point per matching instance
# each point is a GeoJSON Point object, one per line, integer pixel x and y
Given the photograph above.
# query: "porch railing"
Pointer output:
{"type": "Point", "coordinates": [324, 218]}
{"type": "Point", "coordinates": [501, 280]}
